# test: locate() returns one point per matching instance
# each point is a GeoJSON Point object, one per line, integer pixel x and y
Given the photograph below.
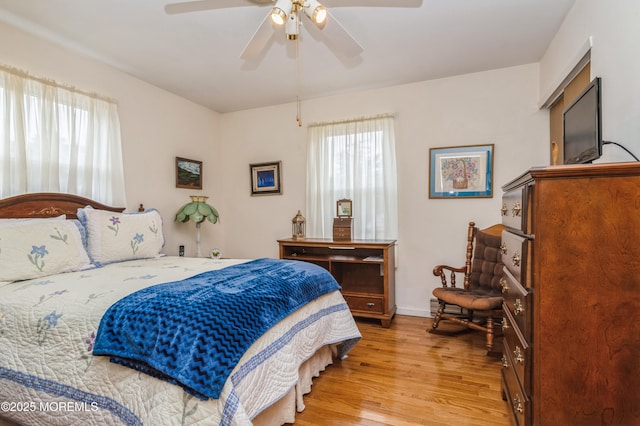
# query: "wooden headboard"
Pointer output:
{"type": "Point", "coordinates": [47, 204]}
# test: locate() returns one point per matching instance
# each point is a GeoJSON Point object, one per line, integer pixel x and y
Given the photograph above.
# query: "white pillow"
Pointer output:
{"type": "Point", "coordinates": [115, 237]}
{"type": "Point", "coordinates": [37, 248]}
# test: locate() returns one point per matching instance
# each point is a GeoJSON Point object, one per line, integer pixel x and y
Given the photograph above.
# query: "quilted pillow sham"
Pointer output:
{"type": "Point", "coordinates": [116, 237]}
{"type": "Point", "coordinates": [37, 248]}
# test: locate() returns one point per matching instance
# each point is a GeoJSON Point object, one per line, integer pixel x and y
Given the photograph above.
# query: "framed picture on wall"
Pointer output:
{"type": "Point", "coordinates": [266, 178]}
{"type": "Point", "coordinates": [461, 172]}
{"type": "Point", "coordinates": [188, 173]}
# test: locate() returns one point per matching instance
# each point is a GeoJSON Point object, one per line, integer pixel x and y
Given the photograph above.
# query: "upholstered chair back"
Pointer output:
{"type": "Point", "coordinates": [486, 266]}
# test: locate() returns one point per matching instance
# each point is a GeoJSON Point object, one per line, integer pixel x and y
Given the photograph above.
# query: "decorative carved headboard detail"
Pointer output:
{"type": "Point", "coordinates": [48, 204]}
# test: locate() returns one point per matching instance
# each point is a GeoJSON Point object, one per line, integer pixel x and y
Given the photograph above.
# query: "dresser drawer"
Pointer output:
{"type": "Point", "coordinates": [517, 397]}
{"type": "Point", "coordinates": [342, 234]}
{"type": "Point", "coordinates": [513, 203]}
{"type": "Point", "coordinates": [519, 302]}
{"type": "Point", "coordinates": [365, 303]}
{"type": "Point", "coordinates": [342, 227]}
{"type": "Point", "coordinates": [515, 256]}
{"type": "Point", "coordinates": [519, 351]}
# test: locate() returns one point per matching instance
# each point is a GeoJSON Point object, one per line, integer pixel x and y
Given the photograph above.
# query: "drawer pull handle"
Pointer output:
{"type": "Point", "coordinates": [504, 210]}
{"type": "Point", "coordinates": [505, 324]}
{"type": "Point", "coordinates": [515, 211]}
{"type": "Point", "coordinates": [504, 285]}
{"type": "Point", "coordinates": [518, 356]}
{"type": "Point", "coordinates": [516, 259]}
{"type": "Point", "coordinates": [371, 305]}
{"type": "Point", "coordinates": [518, 307]}
{"type": "Point", "coordinates": [517, 404]}
{"type": "Point", "coordinates": [505, 363]}
{"type": "Point", "coordinates": [503, 247]}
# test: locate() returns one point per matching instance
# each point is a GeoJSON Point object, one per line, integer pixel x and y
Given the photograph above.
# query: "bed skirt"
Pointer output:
{"type": "Point", "coordinates": [281, 412]}
{"type": "Point", "coordinates": [284, 411]}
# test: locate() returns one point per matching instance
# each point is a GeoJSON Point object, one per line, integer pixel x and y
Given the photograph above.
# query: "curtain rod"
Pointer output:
{"type": "Point", "coordinates": [53, 83]}
{"type": "Point", "coordinates": [350, 120]}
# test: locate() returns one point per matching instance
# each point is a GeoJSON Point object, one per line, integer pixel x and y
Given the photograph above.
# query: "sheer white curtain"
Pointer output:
{"type": "Point", "coordinates": [58, 139]}
{"type": "Point", "coordinates": [355, 160]}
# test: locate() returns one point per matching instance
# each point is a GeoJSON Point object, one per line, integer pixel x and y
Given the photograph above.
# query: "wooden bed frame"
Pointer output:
{"type": "Point", "coordinates": [48, 204]}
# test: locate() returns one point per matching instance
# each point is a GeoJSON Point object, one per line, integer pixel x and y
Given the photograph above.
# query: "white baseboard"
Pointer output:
{"type": "Point", "coordinates": [414, 312]}
{"type": "Point", "coordinates": [431, 312]}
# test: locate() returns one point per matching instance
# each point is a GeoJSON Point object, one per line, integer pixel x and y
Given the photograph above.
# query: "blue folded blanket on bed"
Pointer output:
{"type": "Point", "coordinates": [193, 332]}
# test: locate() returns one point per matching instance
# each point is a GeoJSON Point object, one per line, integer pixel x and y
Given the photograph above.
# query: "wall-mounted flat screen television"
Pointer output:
{"type": "Point", "coordinates": [582, 126]}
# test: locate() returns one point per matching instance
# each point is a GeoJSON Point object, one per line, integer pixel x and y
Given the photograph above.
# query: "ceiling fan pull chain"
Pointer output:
{"type": "Point", "coordinates": [298, 104]}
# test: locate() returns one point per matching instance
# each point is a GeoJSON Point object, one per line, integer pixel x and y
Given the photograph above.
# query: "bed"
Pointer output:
{"type": "Point", "coordinates": [53, 316]}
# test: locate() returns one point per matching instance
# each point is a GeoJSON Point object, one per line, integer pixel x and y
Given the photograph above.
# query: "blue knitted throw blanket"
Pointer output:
{"type": "Point", "coordinates": [193, 332]}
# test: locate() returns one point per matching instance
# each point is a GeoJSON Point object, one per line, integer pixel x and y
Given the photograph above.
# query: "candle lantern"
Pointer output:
{"type": "Point", "coordinates": [297, 226]}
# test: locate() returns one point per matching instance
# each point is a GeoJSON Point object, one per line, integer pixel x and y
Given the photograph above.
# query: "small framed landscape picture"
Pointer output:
{"type": "Point", "coordinates": [188, 173]}
{"type": "Point", "coordinates": [266, 178]}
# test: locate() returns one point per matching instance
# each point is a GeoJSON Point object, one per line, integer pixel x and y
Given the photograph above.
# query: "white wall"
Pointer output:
{"type": "Point", "coordinates": [498, 107]}
{"type": "Point", "coordinates": [615, 57]}
{"type": "Point", "coordinates": [156, 127]}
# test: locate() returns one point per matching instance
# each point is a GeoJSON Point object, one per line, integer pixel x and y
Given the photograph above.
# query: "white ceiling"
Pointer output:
{"type": "Point", "coordinates": [197, 55]}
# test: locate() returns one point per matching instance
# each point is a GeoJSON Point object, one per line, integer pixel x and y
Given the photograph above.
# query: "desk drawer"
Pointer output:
{"type": "Point", "coordinates": [365, 303]}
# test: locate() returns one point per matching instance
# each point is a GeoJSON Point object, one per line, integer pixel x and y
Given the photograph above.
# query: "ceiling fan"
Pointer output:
{"type": "Point", "coordinates": [288, 13]}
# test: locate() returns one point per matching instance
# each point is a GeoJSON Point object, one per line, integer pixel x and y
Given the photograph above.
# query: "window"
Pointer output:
{"type": "Point", "coordinates": [354, 160]}
{"type": "Point", "coordinates": [58, 139]}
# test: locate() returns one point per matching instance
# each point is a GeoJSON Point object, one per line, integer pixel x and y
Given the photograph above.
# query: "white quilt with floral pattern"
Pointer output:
{"type": "Point", "coordinates": [48, 375]}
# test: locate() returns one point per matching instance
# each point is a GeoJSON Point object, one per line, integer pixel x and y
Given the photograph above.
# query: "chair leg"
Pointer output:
{"type": "Point", "coordinates": [489, 333]}
{"type": "Point", "coordinates": [436, 320]}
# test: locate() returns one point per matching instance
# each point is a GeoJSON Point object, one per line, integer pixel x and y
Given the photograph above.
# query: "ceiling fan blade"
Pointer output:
{"type": "Point", "coordinates": [372, 3]}
{"type": "Point", "coordinates": [199, 5]}
{"type": "Point", "coordinates": [259, 39]}
{"type": "Point", "coordinates": [339, 38]}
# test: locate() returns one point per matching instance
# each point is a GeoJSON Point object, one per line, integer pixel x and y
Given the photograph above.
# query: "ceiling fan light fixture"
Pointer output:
{"type": "Point", "coordinates": [278, 16]}
{"type": "Point", "coordinates": [280, 11]}
{"type": "Point", "coordinates": [292, 27]}
{"type": "Point", "coordinates": [315, 11]}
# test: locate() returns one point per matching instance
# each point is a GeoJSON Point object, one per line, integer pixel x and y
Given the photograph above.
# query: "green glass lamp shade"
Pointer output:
{"type": "Point", "coordinates": [197, 211]}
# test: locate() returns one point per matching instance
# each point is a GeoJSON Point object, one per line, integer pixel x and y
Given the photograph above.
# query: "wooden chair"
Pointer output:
{"type": "Point", "coordinates": [481, 292]}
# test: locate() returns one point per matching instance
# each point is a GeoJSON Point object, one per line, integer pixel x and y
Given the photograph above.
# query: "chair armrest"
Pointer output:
{"type": "Point", "coordinates": [441, 271]}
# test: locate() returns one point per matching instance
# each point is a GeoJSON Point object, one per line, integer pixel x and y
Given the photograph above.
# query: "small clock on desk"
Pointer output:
{"type": "Point", "coordinates": [343, 223]}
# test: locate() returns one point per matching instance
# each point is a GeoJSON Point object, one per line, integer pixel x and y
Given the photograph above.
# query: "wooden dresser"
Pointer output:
{"type": "Point", "coordinates": [571, 251]}
{"type": "Point", "coordinates": [365, 269]}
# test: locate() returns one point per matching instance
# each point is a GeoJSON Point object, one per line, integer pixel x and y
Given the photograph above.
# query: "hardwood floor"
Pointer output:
{"type": "Point", "coordinates": [403, 375]}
